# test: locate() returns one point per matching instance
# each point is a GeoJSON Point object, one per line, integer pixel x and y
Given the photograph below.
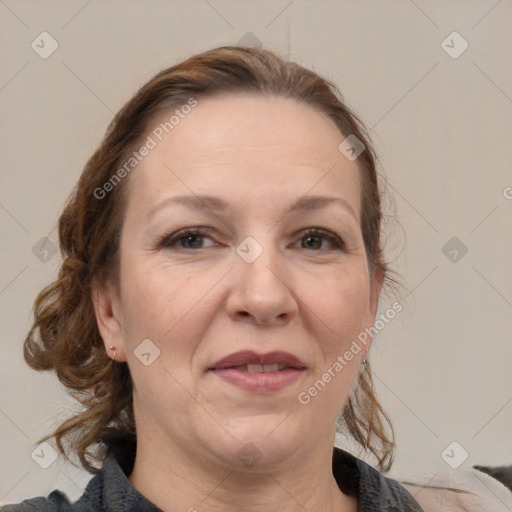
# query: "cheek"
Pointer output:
{"type": "Point", "coordinates": [152, 298]}
{"type": "Point", "coordinates": [341, 312]}
{"type": "Point", "coordinates": [341, 302]}
{"type": "Point", "coordinates": [156, 307]}
{"type": "Point", "coordinates": [169, 307]}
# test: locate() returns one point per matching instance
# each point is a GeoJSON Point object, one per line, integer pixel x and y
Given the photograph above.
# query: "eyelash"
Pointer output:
{"type": "Point", "coordinates": [169, 241]}
{"type": "Point", "coordinates": [333, 239]}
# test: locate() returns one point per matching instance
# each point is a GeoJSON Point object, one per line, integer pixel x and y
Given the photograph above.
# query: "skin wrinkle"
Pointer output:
{"type": "Point", "coordinates": [284, 300]}
{"type": "Point", "coordinates": [210, 203]}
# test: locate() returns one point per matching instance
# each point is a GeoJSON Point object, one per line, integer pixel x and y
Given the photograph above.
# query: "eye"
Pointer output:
{"type": "Point", "coordinates": [317, 239]}
{"type": "Point", "coordinates": [192, 238]}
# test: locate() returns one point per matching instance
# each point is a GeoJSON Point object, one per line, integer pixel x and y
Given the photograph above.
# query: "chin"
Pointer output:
{"type": "Point", "coordinates": [260, 445]}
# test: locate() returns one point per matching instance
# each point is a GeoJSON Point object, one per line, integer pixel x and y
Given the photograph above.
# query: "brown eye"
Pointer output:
{"type": "Point", "coordinates": [191, 241]}
{"type": "Point", "coordinates": [313, 242]}
{"type": "Point", "coordinates": [187, 239]}
{"type": "Point", "coordinates": [320, 239]}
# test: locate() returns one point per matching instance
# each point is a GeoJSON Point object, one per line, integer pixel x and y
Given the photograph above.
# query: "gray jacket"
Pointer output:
{"type": "Point", "coordinates": [109, 490]}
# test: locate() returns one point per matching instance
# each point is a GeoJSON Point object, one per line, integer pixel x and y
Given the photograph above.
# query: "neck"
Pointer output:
{"type": "Point", "coordinates": [177, 480]}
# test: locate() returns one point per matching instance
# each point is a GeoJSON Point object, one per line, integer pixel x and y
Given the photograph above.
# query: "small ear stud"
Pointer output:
{"type": "Point", "coordinates": [114, 349]}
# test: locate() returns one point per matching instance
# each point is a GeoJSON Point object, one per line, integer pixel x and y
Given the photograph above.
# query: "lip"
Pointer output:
{"type": "Point", "coordinates": [264, 382]}
{"type": "Point", "coordinates": [249, 357]}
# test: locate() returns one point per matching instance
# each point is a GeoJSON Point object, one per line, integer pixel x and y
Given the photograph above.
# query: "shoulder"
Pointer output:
{"type": "Point", "coordinates": [443, 490]}
{"type": "Point", "coordinates": [385, 493]}
{"type": "Point", "coordinates": [109, 490]}
{"type": "Point", "coordinates": [56, 502]}
{"type": "Point", "coordinates": [376, 491]}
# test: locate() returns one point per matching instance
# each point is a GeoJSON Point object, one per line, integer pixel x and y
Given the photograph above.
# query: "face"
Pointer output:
{"type": "Point", "coordinates": [241, 234]}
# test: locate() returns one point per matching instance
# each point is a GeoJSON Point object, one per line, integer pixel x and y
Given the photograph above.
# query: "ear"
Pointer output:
{"type": "Point", "coordinates": [108, 312]}
{"type": "Point", "coordinates": [376, 281]}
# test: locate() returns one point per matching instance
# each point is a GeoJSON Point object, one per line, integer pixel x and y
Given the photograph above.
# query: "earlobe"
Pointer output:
{"type": "Point", "coordinates": [109, 320]}
{"type": "Point", "coordinates": [376, 287]}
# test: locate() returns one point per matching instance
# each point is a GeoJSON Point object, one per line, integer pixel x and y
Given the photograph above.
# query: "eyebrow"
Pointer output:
{"type": "Point", "coordinates": [215, 204]}
{"type": "Point", "coordinates": [195, 202]}
{"type": "Point", "coordinates": [312, 203]}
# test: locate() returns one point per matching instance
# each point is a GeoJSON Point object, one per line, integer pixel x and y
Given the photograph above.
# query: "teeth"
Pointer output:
{"type": "Point", "coordinates": [264, 368]}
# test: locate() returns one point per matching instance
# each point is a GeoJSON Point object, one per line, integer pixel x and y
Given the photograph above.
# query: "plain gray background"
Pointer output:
{"type": "Point", "coordinates": [441, 120]}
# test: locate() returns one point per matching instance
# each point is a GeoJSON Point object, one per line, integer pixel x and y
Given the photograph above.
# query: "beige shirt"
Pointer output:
{"type": "Point", "coordinates": [461, 490]}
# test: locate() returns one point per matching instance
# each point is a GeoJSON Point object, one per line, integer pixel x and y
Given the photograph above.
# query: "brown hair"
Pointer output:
{"type": "Point", "coordinates": [65, 336]}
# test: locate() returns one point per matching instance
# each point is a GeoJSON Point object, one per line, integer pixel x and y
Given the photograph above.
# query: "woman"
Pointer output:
{"type": "Point", "coordinates": [222, 270]}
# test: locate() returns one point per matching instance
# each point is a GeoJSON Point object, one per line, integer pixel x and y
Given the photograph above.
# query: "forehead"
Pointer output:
{"type": "Point", "coordinates": [235, 141]}
{"type": "Point", "coordinates": [229, 122]}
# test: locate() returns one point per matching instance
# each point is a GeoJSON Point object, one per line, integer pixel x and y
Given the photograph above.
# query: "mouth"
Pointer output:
{"type": "Point", "coordinates": [262, 368]}
{"type": "Point", "coordinates": [259, 373]}
{"type": "Point", "coordinates": [252, 362]}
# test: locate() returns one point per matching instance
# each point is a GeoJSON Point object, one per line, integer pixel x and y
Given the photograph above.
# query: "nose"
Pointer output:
{"type": "Point", "coordinates": [262, 290]}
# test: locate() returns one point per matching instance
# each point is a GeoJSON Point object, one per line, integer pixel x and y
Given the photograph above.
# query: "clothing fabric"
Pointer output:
{"type": "Point", "coordinates": [110, 490]}
{"type": "Point", "coordinates": [445, 490]}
